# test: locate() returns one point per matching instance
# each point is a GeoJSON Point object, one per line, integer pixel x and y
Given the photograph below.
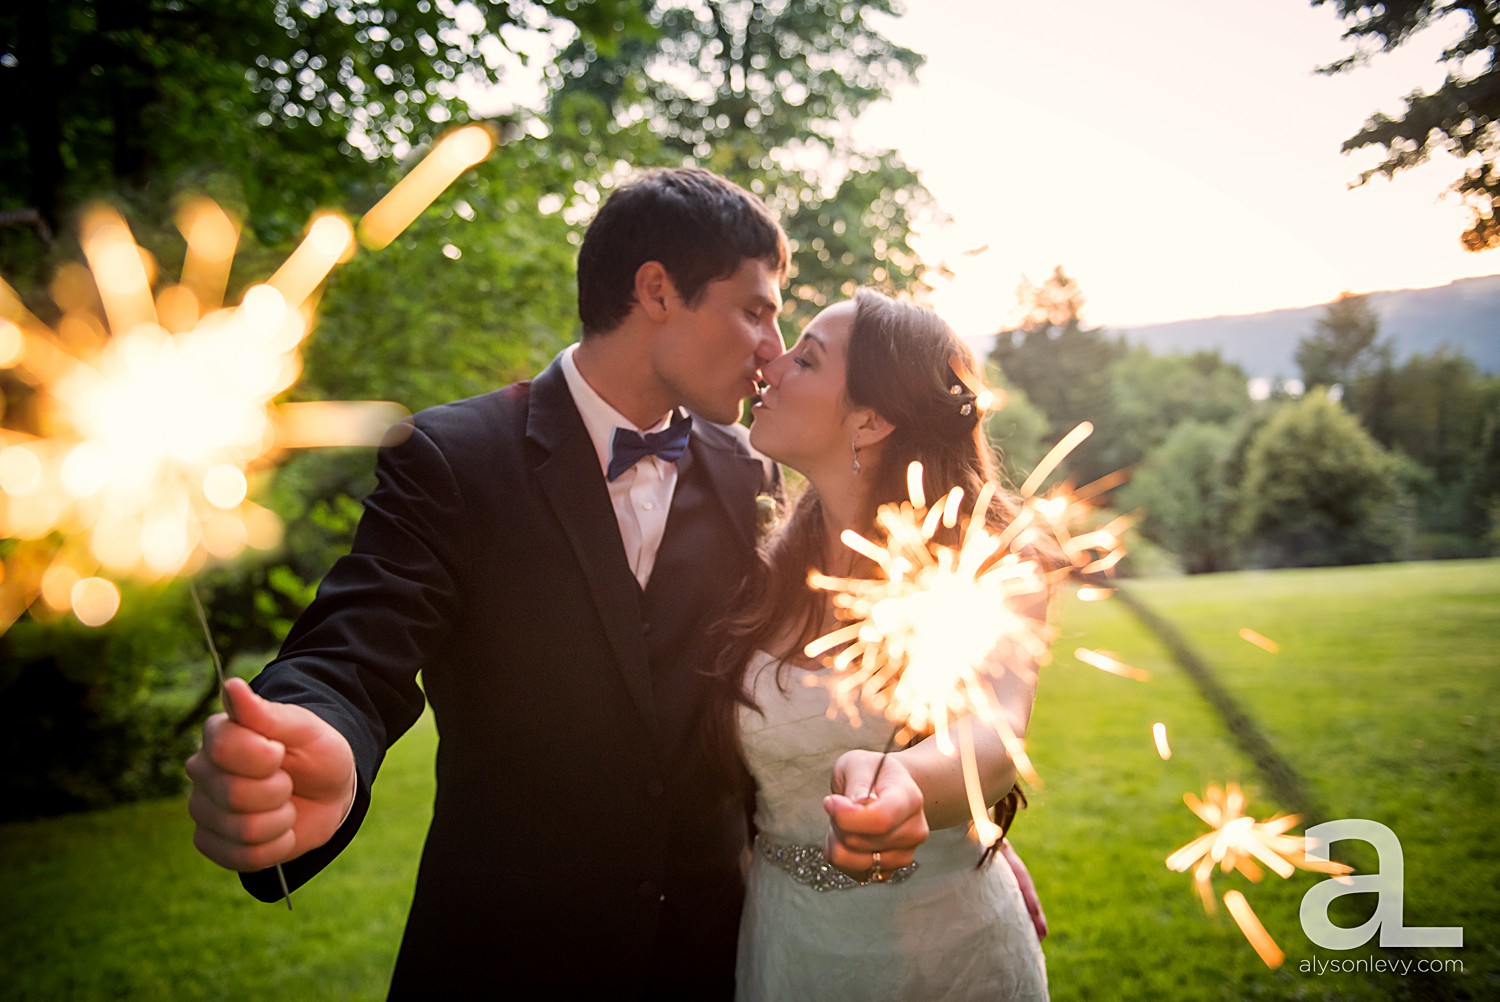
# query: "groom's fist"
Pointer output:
{"type": "Point", "coordinates": [272, 781]}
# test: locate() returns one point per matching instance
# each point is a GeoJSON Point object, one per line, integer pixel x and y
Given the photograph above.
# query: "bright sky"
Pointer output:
{"type": "Point", "coordinates": [1179, 159]}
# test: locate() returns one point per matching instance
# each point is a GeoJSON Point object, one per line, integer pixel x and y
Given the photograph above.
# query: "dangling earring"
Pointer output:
{"type": "Point", "coordinates": [856, 459]}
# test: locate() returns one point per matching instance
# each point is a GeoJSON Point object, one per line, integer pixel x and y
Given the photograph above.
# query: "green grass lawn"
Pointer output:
{"type": "Point", "coordinates": [118, 904]}
{"type": "Point", "coordinates": [1383, 696]}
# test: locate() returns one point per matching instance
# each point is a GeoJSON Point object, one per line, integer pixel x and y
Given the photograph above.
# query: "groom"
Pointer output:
{"type": "Point", "coordinates": [550, 557]}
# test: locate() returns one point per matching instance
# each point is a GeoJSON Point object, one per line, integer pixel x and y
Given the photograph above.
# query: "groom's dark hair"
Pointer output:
{"type": "Point", "coordinates": [697, 225]}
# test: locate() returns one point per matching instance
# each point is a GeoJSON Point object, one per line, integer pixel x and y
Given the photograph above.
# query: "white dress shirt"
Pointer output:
{"type": "Point", "coordinates": [642, 495]}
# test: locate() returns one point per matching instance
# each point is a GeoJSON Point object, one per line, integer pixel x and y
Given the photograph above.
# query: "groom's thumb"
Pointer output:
{"type": "Point", "coordinates": [283, 722]}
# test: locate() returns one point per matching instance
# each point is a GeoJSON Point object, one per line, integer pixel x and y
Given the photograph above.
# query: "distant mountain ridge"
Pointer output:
{"type": "Point", "coordinates": [1464, 314]}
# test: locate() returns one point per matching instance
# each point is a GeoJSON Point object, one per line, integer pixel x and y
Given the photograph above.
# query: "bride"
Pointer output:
{"type": "Point", "coordinates": [859, 893]}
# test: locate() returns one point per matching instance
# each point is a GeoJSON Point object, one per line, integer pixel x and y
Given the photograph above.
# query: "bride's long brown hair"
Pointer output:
{"type": "Point", "coordinates": [906, 364]}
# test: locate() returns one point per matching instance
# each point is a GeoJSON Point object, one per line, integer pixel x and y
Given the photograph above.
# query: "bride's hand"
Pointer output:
{"type": "Point", "coordinates": [888, 820]}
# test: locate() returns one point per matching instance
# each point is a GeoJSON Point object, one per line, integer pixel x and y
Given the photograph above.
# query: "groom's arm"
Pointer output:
{"type": "Point", "coordinates": [352, 658]}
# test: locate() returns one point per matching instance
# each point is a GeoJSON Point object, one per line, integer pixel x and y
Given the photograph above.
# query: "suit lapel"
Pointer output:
{"type": "Point", "coordinates": [570, 477]}
{"type": "Point", "coordinates": [735, 476]}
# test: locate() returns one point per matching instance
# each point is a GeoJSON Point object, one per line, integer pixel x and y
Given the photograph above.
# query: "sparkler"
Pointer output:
{"type": "Point", "coordinates": [929, 641]}
{"type": "Point", "coordinates": [154, 410]}
{"type": "Point", "coordinates": [1236, 842]}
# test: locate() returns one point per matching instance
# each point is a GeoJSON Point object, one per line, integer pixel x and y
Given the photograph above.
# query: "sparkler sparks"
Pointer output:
{"type": "Point", "coordinates": [929, 641]}
{"type": "Point", "coordinates": [1237, 841]}
{"type": "Point", "coordinates": [148, 413]}
{"type": "Point", "coordinates": [1249, 923]}
{"type": "Point", "coordinates": [1111, 664]}
{"type": "Point", "coordinates": [1159, 735]}
{"type": "Point", "coordinates": [1259, 640]}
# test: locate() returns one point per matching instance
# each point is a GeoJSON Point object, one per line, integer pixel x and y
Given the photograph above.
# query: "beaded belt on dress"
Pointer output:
{"type": "Point", "coordinates": [806, 864]}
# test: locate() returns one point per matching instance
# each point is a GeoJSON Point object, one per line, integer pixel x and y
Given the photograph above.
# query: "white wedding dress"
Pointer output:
{"type": "Point", "coordinates": [945, 931]}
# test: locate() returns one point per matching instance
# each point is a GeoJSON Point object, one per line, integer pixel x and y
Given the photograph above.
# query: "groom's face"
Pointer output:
{"type": "Point", "coordinates": [710, 353]}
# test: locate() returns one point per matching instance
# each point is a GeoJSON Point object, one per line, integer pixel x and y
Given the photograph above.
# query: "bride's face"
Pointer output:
{"type": "Point", "coordinates": [801, 416]}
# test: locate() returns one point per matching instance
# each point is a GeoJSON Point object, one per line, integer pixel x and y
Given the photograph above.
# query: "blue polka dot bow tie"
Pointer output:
{"type": "Point", "coordinates": [629, 447]}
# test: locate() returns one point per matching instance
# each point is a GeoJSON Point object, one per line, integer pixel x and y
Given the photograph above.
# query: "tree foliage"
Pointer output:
{"type": "Point", "coordinates": [1317, 490]}
{"type": "Point", "coordinates": [1182, 492]}
{"type": "Point", "coordinates": [284, 102]}
{"type": "Point", "coordinates": [275, 108]}
{"type": "Point", "coordinates": [1152, 395]}
{"type": "Point", "coordinates": [477, 293]}
{"type": "Point", "coordinates": [1436, 409]}
{"type": "Point", "coordinates": [1016, 430]}
{"type": "Point", "coordinates": [1062, 366]}
{"type": "Point", "coordinates": [1344, 345]}
{"type": "Point", "coordinates": [763, 92]}
{"type": "Point", "coordinates": [91, 717]}
{"type": "Point", "coordinates": [1462, 116]}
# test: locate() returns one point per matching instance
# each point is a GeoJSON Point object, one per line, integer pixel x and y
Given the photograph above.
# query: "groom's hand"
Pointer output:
{"type": "Point", "coordinates": [268, 785]}
{"type": "Point", "coordinates": [887, 819]}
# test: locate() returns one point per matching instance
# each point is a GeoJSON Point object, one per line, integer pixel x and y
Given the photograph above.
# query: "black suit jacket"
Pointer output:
{"type": "Point", "coordinates": [580, 838]}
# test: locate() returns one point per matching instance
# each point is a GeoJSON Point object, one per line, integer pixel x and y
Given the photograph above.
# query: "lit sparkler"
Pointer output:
{"type": "Point", "coordinates": [1237, 841]}
{"type": "Point", "coordinates": [153, 409]}
{"type": "Point", "coordinates": [928, 641]}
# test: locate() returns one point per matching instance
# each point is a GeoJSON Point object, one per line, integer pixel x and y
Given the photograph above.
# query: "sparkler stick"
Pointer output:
{"type": "Point", "coordinates": [890, 745]}
{"type": "Point", "coordinates": [213, 651]}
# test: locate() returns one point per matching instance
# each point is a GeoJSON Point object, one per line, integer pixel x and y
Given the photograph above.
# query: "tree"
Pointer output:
{"type": "Point", "coordinates": [1153, 394]}
{"type": "Point", "coordinates": [274, 109]}
{"type": "Point", "coordinates": [763, 92]}
{"type": "Point", "coordinates": [1434, 409]}
{"type": "Point", "coordinates": [1462, 116]}
{"type": "Point", "coordinates": [1343, 346]}
{"type": "Point", "coordinates": [1016, 430]}
{"type": "Point", "coordinates": [287, 100]}
{"type": "Point", "coordinates": [1181, 490]}
{"type": "Point", "coordinates": [1484, 486]}
{"type": "Point", "coordinates": [91, 716]}
{"type": "Point", "coordinates": [477, 293]}
{"type": "Point", "coordinates": [1062, 366]}
{"type": "Point", "coordinates": [1318, 490]}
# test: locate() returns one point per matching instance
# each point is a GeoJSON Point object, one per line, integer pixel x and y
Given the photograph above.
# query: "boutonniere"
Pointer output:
{"type": "Point", "coordinates": [767, 511]}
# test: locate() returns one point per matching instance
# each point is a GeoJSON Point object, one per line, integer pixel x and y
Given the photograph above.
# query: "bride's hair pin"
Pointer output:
{"type": "Point", "coordinates": [968, 393]}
